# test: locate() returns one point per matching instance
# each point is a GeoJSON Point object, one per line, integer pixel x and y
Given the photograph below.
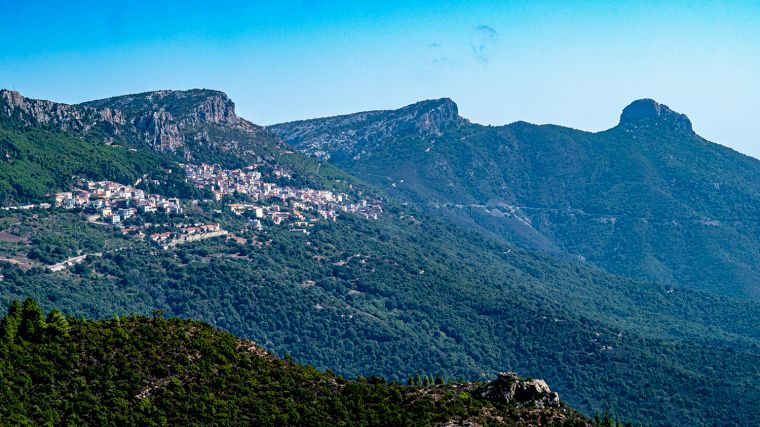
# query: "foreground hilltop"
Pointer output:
{"type": "Point", "coordinates": [153, 371]}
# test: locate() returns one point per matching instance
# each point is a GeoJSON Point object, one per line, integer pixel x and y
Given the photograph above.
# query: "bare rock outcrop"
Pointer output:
{"type": "Point", "coordinates": [648, 113]}
{"type": "Point", "coordinates": [510, 388]}
{"type": "Point", "coordinates": [165, 120]}
{"type": "Point", "coordinates": [359, 134]}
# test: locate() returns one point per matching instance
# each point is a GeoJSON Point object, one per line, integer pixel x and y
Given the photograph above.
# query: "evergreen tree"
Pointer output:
{"type": "Point", "coordinates": [57, 325]}
{"type": "Point", "coordinates": [32, 321]}
{"type": "Point", "coordinates": [9, 325]}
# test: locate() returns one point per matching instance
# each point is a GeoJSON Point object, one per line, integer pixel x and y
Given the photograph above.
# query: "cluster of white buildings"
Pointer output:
{"type": "Point", "coordinates": [248, 181]}
{"type": "Point", "coordinates": [115, 202]}
{"type": "Point", "coordinates": [300, 207]}
{"type": "Point", "coordinates": [187, 233]}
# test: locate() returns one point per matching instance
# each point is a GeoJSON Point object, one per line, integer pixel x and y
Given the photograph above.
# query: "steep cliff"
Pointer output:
{"type": "Point", "coordinates": [193, 125]}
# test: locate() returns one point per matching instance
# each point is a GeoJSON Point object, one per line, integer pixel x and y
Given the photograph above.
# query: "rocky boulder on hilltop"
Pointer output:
{"type": "Point", "coordinates": [510, 388]}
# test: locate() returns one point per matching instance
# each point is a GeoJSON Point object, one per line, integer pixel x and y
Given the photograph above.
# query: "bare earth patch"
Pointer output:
{"type": "Point", "coordinates": [11, 238]}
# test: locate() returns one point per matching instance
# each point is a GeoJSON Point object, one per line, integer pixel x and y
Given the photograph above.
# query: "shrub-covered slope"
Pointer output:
{"type": "Point", "coordinates": [34, 163]}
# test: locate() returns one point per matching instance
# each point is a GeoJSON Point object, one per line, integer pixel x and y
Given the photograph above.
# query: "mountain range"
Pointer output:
{"type": "Point", "coordinates": [468, 270]}
{"type": "Point", "coordinates": [648, 199]}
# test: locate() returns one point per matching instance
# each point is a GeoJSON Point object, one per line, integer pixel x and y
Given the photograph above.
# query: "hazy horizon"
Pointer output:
{"type": "Point", "coordinates": [570, 64]}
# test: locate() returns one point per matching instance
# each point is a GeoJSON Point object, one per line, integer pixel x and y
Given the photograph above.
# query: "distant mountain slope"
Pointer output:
{"type": "Point", "coordinates": [648, 198]}
{"type": "Point", "coordinates": [152, 371]}
{"type": "Point", "coordinates": [347, 137]}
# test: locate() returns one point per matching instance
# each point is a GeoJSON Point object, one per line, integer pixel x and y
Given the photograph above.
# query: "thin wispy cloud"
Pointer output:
{"type": "Point", "coordinates": [482, 42]}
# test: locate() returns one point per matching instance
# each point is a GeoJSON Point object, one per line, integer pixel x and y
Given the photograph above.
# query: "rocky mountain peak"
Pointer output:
{"type": "Point", "coordinates": [11, 97]}
{"type": "Point", "coordinates": [359, 134]}
{"type": "Point", "coordinates": [195, 105]}
{"type": "Point", "coordinates": [170, 119]}
{"type": "Point", "coordinates": [646, 111]}
{"type": "Point", "coordinates": [165, 120]}
{"type": "Point", "coordinates": [210, 106]}
{"type": "Point", "coordinates": [432, 116]}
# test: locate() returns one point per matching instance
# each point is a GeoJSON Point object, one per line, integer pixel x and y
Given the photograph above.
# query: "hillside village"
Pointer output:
{"type": "Point", "coordinates": [115, 202]}
{"type": "Point", "coordinates": [261, 202]}
{"type": "Point", "coordinates": [299, 206]}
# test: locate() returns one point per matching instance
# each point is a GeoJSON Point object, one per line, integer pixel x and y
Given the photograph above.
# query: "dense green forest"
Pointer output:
{"type": "Point", "coordinates": [153, 371]}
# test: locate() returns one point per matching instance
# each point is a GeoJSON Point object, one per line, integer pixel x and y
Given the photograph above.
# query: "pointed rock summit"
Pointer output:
{"type": "Point", "coordinates": [644, 112]}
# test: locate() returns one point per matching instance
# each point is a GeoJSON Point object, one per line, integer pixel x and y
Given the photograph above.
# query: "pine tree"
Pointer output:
{"type": "Point", "coordinates": [10, 323]}
{"type": "Point", "coordinates": [32, 321]}
{"type": "Point", "coordinates": [57, 325]}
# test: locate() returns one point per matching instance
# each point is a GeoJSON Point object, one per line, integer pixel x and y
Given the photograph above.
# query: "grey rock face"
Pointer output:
{"type": "Point", "coordinates": [509, 388]}
{"type": "Point", "coordinates": [159, 129]}
{"type": "Point", "coordinates": [163, 120]}
{"type": "Point", "coordinates": [356, 135]}
{"type": "Point", "coordinates": [32, 112]}
{"type": "Point", "coordinates": [645, 112]}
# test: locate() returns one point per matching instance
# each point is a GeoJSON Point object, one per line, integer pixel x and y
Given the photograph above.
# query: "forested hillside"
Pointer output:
{"type": "Point", "coordinates": [36, 162]}
{"type": "Point", "coordinates": [364, 298]}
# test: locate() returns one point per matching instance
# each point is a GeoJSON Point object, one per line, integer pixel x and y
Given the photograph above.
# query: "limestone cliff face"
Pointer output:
{"type": "Point", "coordinates": [217, 109]}
{"type": "Point", "coordinates": [33, 112]}
{"type": "Point", "coordinates": [159, 129]}
{"type": "Point", "coordinates": [189, 122]}
{"type": "Point", "coordinates": [357, 135]}
{"type": "Point", "coordinates": [194, 119]}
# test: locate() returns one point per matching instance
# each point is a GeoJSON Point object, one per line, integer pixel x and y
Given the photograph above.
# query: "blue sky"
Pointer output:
{"type": "Point", "coordinates": [570, 63]}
